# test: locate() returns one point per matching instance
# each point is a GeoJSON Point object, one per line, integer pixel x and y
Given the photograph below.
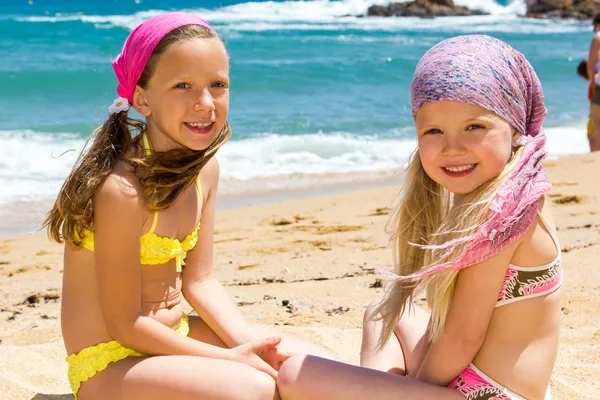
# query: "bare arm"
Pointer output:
{"type": "Point", "coordinates": [200, 288]}
{"type": "Point", "coordinates": [118, 217]}
{"type": "Point", "coordinates": [473, 303]}
{"type": "Point", "coordinates": [593, 56]}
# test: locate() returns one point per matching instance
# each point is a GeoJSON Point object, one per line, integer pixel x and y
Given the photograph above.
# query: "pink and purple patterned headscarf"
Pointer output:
{"type": "Point", "coordinates": [487, 72]}
{"type": "Point", "coordinates": [140, 44]}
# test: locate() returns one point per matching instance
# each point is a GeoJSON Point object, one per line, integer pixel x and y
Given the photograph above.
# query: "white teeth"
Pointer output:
{"type": "Point", "coordinates": [460, 169]}
{"type": "Point", "coordinates": [199, 125]}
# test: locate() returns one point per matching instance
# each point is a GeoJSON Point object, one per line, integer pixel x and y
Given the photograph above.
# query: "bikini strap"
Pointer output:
{"type": "Point", "coordinates": [154, 222]}
{"type": "Point", "coordinates": [148, 153]}
{"type": "Point", "coordinates": [550, 231]}
{"type": "Point", "coordinates": [146, 144]}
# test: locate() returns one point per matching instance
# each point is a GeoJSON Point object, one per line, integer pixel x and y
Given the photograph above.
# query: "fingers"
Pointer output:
{"type": "Point", "coordinates": [266, 368]}
{"type": "Point", "coordinates": [265, 344]}
{"type": "Point", "coordinates": [285, 354]}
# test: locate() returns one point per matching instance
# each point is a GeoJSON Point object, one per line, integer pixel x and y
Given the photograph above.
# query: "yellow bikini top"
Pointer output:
{"type": "Point", "coordinates": [156, 249]}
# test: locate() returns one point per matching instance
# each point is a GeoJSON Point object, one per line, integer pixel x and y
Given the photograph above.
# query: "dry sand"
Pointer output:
{"type": "Point", "coordinates": [318, 255]}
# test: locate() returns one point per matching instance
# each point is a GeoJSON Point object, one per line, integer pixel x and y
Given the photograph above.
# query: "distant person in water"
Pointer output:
{"type": "Point", "coordinates": [593, 139]}
{"type": "Point", "coordinates": [592, 70]}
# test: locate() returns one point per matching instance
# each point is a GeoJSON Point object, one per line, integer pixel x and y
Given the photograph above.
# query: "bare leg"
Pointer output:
{"type": "Point", "coordinates": [202, 332]}
{"type": "Point", "coordinates": [410, 331]}
{"type": "Point", "coordinates": [404, 351]}
{"type": "Point", "coordinates": [594, 141]}
{"type": "Point", "coordinates": [390, 357]}
{"type": "Point", "coordinates": [178, 377]}
{"type": "Point", "coordinates": [308, 377]}
{"type": "Point", "coordinates": [294, 345]}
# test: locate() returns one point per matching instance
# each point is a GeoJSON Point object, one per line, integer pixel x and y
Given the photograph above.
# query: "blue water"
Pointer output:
{"type": "Point", "coordinates": [315, 90]}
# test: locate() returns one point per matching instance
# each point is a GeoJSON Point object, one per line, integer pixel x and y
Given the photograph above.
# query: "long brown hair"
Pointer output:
{"type": "Point", "coordinates": [163, 175]}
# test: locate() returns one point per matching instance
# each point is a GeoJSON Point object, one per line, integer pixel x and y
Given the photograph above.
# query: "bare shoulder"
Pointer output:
{"type": "Point", "coordinates": [538, 246]}
{"type": "Point", "coordinates": [121, 190]}
{"type": "Point", "coordinates": [209, 175]}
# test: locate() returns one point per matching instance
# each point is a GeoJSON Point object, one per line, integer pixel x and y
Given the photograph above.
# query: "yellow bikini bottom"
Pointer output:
{"type": "Point", "coordinates": [91, 360]}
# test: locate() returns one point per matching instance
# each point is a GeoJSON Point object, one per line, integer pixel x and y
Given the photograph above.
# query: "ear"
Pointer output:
{"type": "Point", "coordinates": [516, 138]}
{"type": "Point", "coordinates": [140, 102]}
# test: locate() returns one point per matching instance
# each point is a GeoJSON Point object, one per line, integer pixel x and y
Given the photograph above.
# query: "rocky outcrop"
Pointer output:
{"type": "Point", "coordinates": [423, 9]}
{"type": "Point", "coordinates": [578, 9]}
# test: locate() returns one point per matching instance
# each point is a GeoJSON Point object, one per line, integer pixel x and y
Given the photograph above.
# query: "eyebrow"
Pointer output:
{"type": "Point", "coordinates": [187, 76]}
{"type": "Point", "coordinates": [427, 119]}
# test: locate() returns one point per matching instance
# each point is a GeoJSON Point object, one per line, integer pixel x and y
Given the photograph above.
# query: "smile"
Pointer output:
{"type": "Point", "coordinates": [461, 168]}
{"type": "Point", "coordinates": [200, 128]}
{"type": "Point", "coordinates": [195, 125]}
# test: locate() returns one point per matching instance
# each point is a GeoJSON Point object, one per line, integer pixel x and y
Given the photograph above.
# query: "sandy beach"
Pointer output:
{"type": "Point", "coordinates": [306, 267]}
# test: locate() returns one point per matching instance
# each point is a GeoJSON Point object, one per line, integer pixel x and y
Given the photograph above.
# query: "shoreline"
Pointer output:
{"type": "Point", "coordinates": [27, 223]}
{"type": "Point", "coordinates": [30, 192]}
{"type": "Point", "coordinates": [23, 217]}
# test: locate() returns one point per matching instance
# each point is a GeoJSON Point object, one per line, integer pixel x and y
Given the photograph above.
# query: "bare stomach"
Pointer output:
{"type": "Point", "coordinates": [82, 320]}
{"type": "Point", "coordinates": [520, 348]}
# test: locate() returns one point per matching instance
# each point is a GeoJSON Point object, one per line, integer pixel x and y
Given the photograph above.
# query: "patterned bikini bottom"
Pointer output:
{"type": "Point", "coordinates": [93, 359]}
{"type": "Point", "coordinates": [476, 385]}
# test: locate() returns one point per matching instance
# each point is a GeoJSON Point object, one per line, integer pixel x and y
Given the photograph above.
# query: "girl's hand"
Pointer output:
{"type": "Point", "coordinates": [250, 354]}
{"type": "Point", "coordinates": [275, 357]}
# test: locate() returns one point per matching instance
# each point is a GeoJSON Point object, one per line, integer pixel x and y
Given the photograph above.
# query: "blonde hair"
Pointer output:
{"type": "Point", "coordinates": [163, 175]}
{"type": "Point", "coordinates": [430, 215]}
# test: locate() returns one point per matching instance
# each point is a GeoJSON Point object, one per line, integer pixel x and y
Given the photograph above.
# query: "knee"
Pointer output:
{"type": "Point", "coordinates": [288, 377]}
{"type": "Point", "coordinates": [405, 322]}
{"type": "Point", "coordinates": [262, 387]}
{"type": "Point", "coordinates": [371, 309]}
{"type": "Point", "coordinates": [413, 322]}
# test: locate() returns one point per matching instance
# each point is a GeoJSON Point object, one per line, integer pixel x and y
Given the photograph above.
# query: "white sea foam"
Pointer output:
{"type": "Point", "coordinates": [33, 165]}
{"type": "Point", "coordinates": [101, 21]}
{"type": "Point", "coordinates": [328, 15]}
{"type": "Point", "coordinates": [339, 153]}
{"type": "Point", "coordinates": [565, 140]}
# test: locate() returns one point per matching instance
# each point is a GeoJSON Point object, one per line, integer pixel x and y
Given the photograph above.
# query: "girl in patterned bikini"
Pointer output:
{"type": "Point", "coordinates": [137, 215]}
{"type": "Point", "coordinates": [473, 232]}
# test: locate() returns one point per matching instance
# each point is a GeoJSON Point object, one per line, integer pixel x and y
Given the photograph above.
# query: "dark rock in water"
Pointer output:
{"type": "Point", "coordinates": [423, 9]}
{"type": "Point", "coordinates": [378, 11]}
{"type": "Point", "coordinates": [577, 9]}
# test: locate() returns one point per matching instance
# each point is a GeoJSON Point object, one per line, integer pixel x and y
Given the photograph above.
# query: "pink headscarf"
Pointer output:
{"type": "Point", "coordinates": [131, 61]}
{"type": "Point", "coordinates": [487, 72]}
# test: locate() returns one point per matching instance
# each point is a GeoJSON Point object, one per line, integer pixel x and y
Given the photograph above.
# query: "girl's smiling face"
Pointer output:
{"type": "Point", "coordinates": [461, 145]}
{"type": "Point", "coordinates": [186, 100]}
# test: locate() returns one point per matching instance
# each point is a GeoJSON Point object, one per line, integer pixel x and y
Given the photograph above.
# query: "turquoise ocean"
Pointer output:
{"type": "Point", "coordinates": [319, 95]}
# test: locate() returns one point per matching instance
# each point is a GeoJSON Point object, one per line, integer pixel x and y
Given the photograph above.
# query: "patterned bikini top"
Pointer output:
{"type": "Point", "coordinates": [522, 283]}
{"type": "Point", "coordinates": [156, 249]}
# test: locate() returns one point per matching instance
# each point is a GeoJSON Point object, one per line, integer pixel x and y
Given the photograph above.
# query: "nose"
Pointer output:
{"type": "Point", "coordinates": [454, 146]}
{"type": "Point", "coordinates": [204, 102]}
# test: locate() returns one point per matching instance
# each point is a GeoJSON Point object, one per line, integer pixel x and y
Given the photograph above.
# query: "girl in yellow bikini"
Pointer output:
{"type": "Point", "coordinates": [137, 214]}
